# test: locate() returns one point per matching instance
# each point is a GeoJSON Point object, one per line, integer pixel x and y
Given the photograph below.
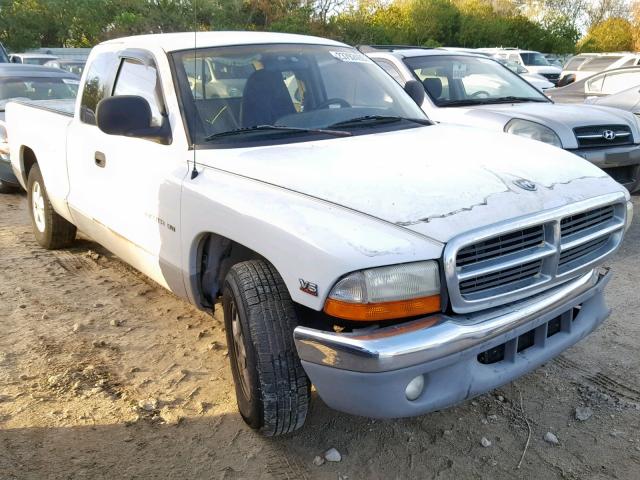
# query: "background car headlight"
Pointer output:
{"type": "Point", "coordinates": [385, 293]}
{"type": "Point", "coordinates": [534, 131]}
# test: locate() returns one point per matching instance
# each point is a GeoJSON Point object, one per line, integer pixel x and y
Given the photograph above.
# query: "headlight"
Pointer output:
{"type": "Point", "coordinates": [534, 131]}
{"type": "Point", "coordinates": [629, 220]}
{"type": "Point", "coordinates": [385, 293]}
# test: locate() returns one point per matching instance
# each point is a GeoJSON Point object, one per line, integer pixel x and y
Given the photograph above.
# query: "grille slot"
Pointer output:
{"type": "Point", "coordinates": [582, 221]}
{"type": "Point", "coordinates": [595, 136]}
{"type": "Point", "coordinates": [501, 245]}
{"type": "Point", "coordinates": [582, 250]}
{"type": "Point", "coordinates": [501, 278]}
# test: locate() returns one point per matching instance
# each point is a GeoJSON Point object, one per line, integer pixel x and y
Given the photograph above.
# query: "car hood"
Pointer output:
{"type": "Point", "coordinates": [543, 69]}
{"type": "Point", "coordinates": [437, 181]}
{"type": "Point", "coordinates": [562, 118]}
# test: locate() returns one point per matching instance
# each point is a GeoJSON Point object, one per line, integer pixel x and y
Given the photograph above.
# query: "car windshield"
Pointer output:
{"type": "Point", "coordinates": [534, 58]}
{"type": "Point", "coordinates": [229, 91]}
{"type": "Point", "coordinates": [35, 60]}
{"type": "Point", "coordinates": [468, 80]}
{"type": "Point", "coordinates": [36, 89]}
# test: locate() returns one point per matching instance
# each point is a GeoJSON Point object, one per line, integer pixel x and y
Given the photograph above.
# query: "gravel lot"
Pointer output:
{"type": "Point", "coordinates": [103, 374]}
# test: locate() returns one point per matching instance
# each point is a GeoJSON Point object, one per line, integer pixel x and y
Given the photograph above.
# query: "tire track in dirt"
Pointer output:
{"type": "Point", "coordinates": [615, 387]}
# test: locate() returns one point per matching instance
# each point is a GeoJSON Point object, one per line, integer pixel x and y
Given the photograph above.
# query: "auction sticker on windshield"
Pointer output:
{"type": "Point", "coordinates": [352, 57]}
{"type": "Point", "coordinates": [459, 70]}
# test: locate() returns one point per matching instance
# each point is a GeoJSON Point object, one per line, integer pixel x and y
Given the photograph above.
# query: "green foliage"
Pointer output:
{"type": "Point", "coordinates": [470, 23]}
{"type": "Point", "coordinates": [611, 35]}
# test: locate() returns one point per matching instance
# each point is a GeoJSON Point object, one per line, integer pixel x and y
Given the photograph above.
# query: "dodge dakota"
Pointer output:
{"type": "Point", "coordinates": [398, 266]}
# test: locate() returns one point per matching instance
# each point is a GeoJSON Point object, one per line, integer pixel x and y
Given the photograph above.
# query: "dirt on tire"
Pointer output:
{"type": "Point", "coordinates": [104, 374]}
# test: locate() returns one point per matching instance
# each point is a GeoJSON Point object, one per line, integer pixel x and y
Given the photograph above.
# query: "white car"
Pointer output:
{"type": "Point", "coordinates": [585, 65]}
{"type": "Point", "coordinates": [31, 58]}
{"type": "Point", "coordinates": [399, 266]}
{"type": "Point", "coordinates": [474, 90]}
{"type": "Point", "coordinates": [535, 79]}
{"type": "Point", "coordinates": [533, 61]}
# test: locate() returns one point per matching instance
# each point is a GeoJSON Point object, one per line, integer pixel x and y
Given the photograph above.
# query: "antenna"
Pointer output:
{"type": "Point", "coordinates": [194, 170]}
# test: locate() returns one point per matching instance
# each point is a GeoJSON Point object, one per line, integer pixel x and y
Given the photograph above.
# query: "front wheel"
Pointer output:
{"type": "Point", "coordinates": [50, 229]}
{"type": "Point", "coordinates": [272, 389]}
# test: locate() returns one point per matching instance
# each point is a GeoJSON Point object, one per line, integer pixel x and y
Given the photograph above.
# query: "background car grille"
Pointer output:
{"type": "Point", "coordinates": [511, 265]}
{"type": "Point", "coordinates": [595, 136]}
{"type": "Point", "coordinates": [551, 76]}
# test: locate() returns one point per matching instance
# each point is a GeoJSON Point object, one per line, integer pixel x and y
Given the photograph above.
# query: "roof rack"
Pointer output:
{"type": "Point", "coordinates": [388, 48]}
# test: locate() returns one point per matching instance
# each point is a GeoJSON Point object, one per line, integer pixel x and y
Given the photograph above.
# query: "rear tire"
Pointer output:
{"type": "Point", "coordinates": [272, 389]}
{"type": "Point", "coordinates": [50, 229]}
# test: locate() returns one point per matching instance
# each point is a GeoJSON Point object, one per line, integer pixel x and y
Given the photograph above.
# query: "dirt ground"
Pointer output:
{"type": "Point", "coordinates": [103, 374]}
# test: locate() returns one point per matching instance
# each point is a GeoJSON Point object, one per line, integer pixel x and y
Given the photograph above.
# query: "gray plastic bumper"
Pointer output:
{"type": "Point", "coordinates": [367, 373]}
{"type": "Point", "coordinates": [622, 163]}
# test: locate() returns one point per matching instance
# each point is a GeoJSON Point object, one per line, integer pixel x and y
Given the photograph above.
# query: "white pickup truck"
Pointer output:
{"type": "Point", "coordinates": [400, 267]}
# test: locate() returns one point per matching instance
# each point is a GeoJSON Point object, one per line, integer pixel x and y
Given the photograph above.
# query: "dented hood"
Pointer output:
{"type": "Point", "coordinates": [437, 181]}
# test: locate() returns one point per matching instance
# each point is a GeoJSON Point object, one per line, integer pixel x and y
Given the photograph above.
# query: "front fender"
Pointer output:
{"type": "Point", "coordinates": [303, 237]}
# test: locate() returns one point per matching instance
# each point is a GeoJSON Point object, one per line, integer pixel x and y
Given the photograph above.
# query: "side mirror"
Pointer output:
{"type": "Point", "coordinates": [415, 90]}
{"type": "Point", "coordinates": [130, 116]}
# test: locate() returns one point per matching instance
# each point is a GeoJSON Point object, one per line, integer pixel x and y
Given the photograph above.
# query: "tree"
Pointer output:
{"type": "Point", "coordinates": [611, 35]}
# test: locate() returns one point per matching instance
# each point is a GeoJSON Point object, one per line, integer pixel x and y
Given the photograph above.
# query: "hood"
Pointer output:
{"type": "Point", "coordinates": [543, 69]}
{"type": "Point", "coordinates": [562, 118]}
{"type": "Point", "coordinates": [436, 181]}
{"type": "Point", "coordinates": [537, 81]}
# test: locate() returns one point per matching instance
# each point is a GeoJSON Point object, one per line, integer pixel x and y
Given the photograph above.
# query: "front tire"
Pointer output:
{"type": "Point", "coordinates": [272, 389]}
{"type": "Point", "coordinates": [50, 229]}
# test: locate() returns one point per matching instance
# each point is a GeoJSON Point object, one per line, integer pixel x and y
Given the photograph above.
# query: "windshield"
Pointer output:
{"type": "Point", "coordinates": [466, 80]}
{"type": "Point", "coordinates": [37, 89]}
{"type": "Point", "coordinates": [534, 58]}
{"type": "Point", "coordinates": [35, 60]}
{"type": "Point", "coordinates": [239, 88]}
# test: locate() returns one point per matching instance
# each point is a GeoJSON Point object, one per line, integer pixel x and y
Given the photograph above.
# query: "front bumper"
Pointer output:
{"type": "Point", "coordinates": [6, 172]}
{"type": "Point", "coordinates": [367, 373]}
{"type": "Point", "coordinates": [621, 163]}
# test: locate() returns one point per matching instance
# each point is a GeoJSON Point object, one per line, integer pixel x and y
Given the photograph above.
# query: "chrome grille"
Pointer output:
{"type": "Point", "coordinates": [603, 135]}
{"type": "Point", "coordinates": [513, 260]}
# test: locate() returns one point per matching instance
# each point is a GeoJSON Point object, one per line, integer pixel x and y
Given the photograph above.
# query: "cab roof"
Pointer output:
{"type": "Point", "coordinates": [183, 41]}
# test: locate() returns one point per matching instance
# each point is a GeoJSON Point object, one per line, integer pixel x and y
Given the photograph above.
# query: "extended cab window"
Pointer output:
{"type": "Point", "coordinates": [97, 84]}
{"type": "Point", "coordinates": [134, 78]}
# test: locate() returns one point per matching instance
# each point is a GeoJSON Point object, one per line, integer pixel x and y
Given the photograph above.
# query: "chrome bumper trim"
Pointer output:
{"type": "Point", "coordinates": [430, 338]}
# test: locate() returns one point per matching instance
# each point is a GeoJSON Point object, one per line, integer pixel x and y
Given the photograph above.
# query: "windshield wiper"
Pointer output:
{"type": "Point", "coordinates": [511, 99]}
{"type": "Point", "coordinates": [258, 128]}
{"type": "Point", "coordinates": [378, 119]}
{"type": "Point", "coordinates": [488, 101]}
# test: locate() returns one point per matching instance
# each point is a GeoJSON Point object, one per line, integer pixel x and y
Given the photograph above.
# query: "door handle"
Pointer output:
{"type": "Point", "coordinates": [100, 159]}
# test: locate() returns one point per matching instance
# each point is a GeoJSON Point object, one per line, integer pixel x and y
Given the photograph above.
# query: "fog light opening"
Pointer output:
{"type": "Point", "coordinates": [414, 388]}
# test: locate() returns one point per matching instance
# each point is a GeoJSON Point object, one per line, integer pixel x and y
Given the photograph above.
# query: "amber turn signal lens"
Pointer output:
{"type": "Point", "coordinates": [371, 312]}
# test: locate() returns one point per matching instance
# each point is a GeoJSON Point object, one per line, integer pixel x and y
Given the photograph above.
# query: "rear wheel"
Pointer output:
{"type": "Point", "coordinates": [50, 229]}
{"type": "Point", "coordinates": [272, 389]}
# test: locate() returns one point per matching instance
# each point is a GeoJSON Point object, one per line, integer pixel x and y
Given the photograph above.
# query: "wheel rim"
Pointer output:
{"type": "Point", "coordinates": [240, 352]}
{"type": "Point", "coordinates": [37, 206]}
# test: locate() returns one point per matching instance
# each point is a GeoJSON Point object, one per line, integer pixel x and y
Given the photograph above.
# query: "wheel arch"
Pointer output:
{"type": "Point", "coordinates": [27, 160]}
{"type": "Point", "coordinates": [211, 257]}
